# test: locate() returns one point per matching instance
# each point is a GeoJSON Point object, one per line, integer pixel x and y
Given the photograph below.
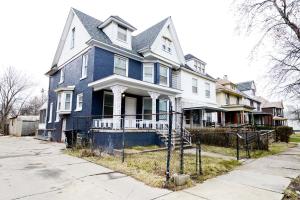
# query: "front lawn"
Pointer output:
{"type": "Point", "coordinates": [274, 148]}
{"type": "Point", "coordinates": [150, 168]}
{"type": "Point", "coordinates": [295, 138]}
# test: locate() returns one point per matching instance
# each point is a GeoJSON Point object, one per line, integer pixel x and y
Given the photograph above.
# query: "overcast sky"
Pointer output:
{"type": "Point", "coordinates": [31, 29]}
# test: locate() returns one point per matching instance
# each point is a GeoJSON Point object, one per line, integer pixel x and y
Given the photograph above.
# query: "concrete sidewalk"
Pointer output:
{"type": "Point", "coordinates": [33, 169]}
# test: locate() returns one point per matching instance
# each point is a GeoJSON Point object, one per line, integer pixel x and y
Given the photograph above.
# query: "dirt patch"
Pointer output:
{"type": "Point", "coordinates": [293, 191]}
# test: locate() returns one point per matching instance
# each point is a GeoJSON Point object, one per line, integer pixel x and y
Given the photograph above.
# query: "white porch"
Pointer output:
{"type": "Point", "coordinates": [134, 103]}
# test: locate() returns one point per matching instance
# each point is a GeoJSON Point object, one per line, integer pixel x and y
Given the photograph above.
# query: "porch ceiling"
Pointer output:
{"type": "Point", "coordinates": [133, 86]}
{"type": "Point", "coordinates": [238, 108]}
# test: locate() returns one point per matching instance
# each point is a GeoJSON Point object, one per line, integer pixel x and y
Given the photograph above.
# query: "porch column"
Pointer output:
{"type": "Point", "coordinates": [117, 90]}
{"type": "Point", "coordinates": [222, 118]}
{"type": "Point", "coordinates": [154, 97]}
{"type": "Point", "coordinates": [172, 101]}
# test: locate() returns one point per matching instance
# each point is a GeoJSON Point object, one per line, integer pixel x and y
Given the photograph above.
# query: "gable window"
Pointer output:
{"type": "Point", "coordinates": [108, 105]}
{"type": "Point", "coordinates": [147, 108]}
{"type": "Point", "coordinates": [207, 90]}
{"type": "Point", "coordinates": [163, 108]}
{"type": "Point", "coordinates": [227, 99]}
{"type": "Point", "coordinates": [50, 113]}
{"type": "Point", "coordinates": [120, 65]}
{"type": "Point", "coordinates": [62, 76]}
{"type": "Point", "coordinates": [163, 75]}
{"type": "Point", "coordinates": [72, 44]}
{"type": "Point", "coordinates": [148, 72]}
{"type": "Point", "coordinates": [122, 33]}
{"type": "Point", "coordinates": [79, 102]}
{"type": "Point", "coordinates": [84, 67]}
{"type": "Point", "coordinates": [167, 44]}
{"type": "Point", "coordinates": [194, 85]}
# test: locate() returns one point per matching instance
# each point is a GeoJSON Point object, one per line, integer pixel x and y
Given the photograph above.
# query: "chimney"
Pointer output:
{"type": "Point", "coordinates": [225, 77]}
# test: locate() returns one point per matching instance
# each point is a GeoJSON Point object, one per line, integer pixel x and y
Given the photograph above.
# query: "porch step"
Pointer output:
{"type": "Point", "coordinates": [175, 139]}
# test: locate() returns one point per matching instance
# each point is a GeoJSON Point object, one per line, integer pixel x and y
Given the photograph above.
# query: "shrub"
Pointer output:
{"type": "Point", "coordinates": [283, 133]}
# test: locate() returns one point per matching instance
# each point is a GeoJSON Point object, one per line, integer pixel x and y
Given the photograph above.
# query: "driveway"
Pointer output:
{"type": "Point", "coordinates": [32, 169]}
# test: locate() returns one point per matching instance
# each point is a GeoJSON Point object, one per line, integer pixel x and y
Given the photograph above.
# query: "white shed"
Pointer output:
{"type": "Point", "coordinates": [23, 125]}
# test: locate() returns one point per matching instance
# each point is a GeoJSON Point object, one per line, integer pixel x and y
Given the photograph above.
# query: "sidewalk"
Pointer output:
{"type": "Point", "coordinates": [264, 178]}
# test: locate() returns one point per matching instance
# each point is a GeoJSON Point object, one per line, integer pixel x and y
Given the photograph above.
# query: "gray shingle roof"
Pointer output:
{"type": "Point", "coordinates": [244, 85]}
{"type": "Point", "coordinates": [190, 56]}
{"type": "Point", "coordinates": [146, 38]}
{"type": "Point", "coordinates": [207, 75]}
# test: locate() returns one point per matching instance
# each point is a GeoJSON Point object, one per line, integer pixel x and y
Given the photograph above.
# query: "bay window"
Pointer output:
{"type": "Point", "coordinates": [163, 75]}
{"type": "Point", "coordinates": [64, 103]}
{"type": "Point", "coordinates": [148, 72]}
{"type": "Point", "coordinates": [147, 108]}
{"type": "Point", "coordinates": [120, 65]}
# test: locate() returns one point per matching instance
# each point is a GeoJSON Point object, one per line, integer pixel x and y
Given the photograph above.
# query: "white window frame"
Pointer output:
{"type": "Point", "coordinates": [61, 76]}
{"type": "Point", "coordinates": [58, 106]}
{"type": "Point", "coordinates": [194, 80]}
{"type": "Point", "coordinates": [63, 101]}
{"type": "Point", "coordinates": [119, 31]}
{"type": "Point", "coordinates": [143, 108]}
{"type": "Point", "coordinates": [207, 95]}
{"type": "Point", "coordinates": [166, 45]}
{"type": "Point", "coordinates": [72, 42]}
{"type": "Point", "coordinates": [168, 74]}
{"type": "Point", "coordinates": [148, 65]}
{"type": "Point", "coordinates": [50, 112]}
{"type": "Point", "coordinates": [122, 57]}
{"type": "Point", "coordinates": [84, 66]}
{"type": "Point", "coordinates": [78, 107]}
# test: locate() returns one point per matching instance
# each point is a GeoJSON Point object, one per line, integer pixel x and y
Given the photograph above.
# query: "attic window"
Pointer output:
{"type": "Point", "coordinates": [72, 44]}
{"type": "Point", "coordinates": [122, 33]}
{"type": "Point", "coordinates": [167, 44]}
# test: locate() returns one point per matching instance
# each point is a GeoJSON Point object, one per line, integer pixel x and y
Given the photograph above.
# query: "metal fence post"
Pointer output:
{"type": "Point", "coordinates": [181, 143]}
{"type": "Point", "coordinates": [247, 145]}
{"type": "Point", "coordinates": [237, 147]}
{"type": "Point", "coordinates": [169, 143]}
{"type": "Point", "coordinates": [123, 138]}
{"type": "Point", "coordinates": [200, 159]}
{"type": "Point", "coordinates": [267, 140]}
{"type": "Point", "coordinates": [197, 156]}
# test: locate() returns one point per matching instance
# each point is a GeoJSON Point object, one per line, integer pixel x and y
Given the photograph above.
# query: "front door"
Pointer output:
{"type": "Point", "coordinates": [130, 112]}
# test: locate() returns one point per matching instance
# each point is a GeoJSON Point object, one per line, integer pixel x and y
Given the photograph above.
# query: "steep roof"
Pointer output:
{"type": "Point", "coordinates": [146, 38]}
{"type": "Point", "coordinates": [205, 74]}
{"type": "Point", "coordinates": [224, 81]}
{"type": "Point", "coordinates": [244, 86]}
{"type": "Point", "coordinates": [122, 20]}
{"type": "Point", "coordinates": [190, 56]}
{"type": "Point", "coordinates": [276, 104]}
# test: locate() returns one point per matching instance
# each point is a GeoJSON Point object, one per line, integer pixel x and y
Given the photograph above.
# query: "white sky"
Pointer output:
{"type": "Point", "coordinates": [31, 29]}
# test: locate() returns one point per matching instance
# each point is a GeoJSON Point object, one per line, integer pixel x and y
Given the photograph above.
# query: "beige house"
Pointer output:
{"type": "Point", "coordinates": [23, 125]}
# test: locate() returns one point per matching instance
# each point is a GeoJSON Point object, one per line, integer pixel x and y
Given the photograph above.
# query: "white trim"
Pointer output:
{"type": "Point", "coordinates": [68, 88]}
{"type": "Point", "coordinates": [197, 74]}
{"type": "Point", "coordinates": [168, 75]}
{"type": "Point", "coordinates": [132, 83]}
{"type": "Point", "coordinates": [177, 65]}
{"type": "Point", "coordinates": [77, 102]}
{"type": "Point", "coordinates": [127, 63]}
{"type": "Point", "coordinates": [50, 112]}
{"type": "Point", "coordinates": [110, 19]}
{"type": "Point", "coordinates": [61, 76]}
{"type": "Point", "coordinates": [85, 63]}
{"type": "Point", "coordinates": [152, 65]}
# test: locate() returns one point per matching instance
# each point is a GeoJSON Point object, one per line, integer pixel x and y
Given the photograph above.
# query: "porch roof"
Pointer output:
{"type": "Point", "coordinates": [134, 86]}
{"type": "Point", "coordinates": [239, 107]}
{"type": "Point", "coordinates": [206, 108]}
{"type": "Point", "coordinates": [277, 118]}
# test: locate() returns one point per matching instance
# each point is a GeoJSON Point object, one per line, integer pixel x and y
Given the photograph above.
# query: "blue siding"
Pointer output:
{"type": "Point", "coordinates": [170, 77]}
{"type": "Point", "coordinates": [156, 73]}
{"type": "Point", "coordinates": [135, 69]}
{"type": "Point", "coordinates": [104, 63]}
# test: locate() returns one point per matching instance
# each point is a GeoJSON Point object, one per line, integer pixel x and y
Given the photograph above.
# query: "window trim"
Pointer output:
{"type": "Point", "coordinates": [123, 28]}
{"type": "Point", "coordinates": [50, 112]}
{"type": "Point", "coordinates": [77, 102]}
{"type": "Point", "coordinates": [145, 66]}
{"type": "Point", "coordinates": [194, 79]}
{"type": "Point", "coordinates": [103, 103]}
{"type": "Point", "coordinates": [168, 74]}
{"type": "Point", "coordinates": [61, 76]}
{"type": "Point", "coordinates": [209, 90]}
{"type": "Point", "coordinates": [127, 65]}
{"type": "Point", "coordinates": [143, 113]}
{"type": "Point", "coordinates": [85, 57]}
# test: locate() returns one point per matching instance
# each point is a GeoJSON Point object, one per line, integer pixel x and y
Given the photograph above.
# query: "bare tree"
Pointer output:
{"type": "Point", "coordinates": [279, 23]}
{"type": "Point", "coordinates": [13, 85]}
{"type": "Point", "coordinates": [32, 107]}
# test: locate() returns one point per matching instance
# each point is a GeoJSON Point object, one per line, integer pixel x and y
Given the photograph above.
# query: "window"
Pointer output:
{"type": "Point", "coordinates": [148, 72]}
{"type": "Point", "coordinates": [64, 103]}
{"type": "Point", "coordinates": [227, 99]}
{"type": "Point", "coordinates": [79, 102]}
{"type": "Point", "coordinates": [194, 85]}
{"type": "Point", "coordinates": [120, 65]}
{"type": "Point", "coordinates": [43, 116]}
{"type": "Point", "coordinates": [84, 67]}
{"type": "Point", "coordinates": [108, 105]}
{"type": "Point", "coordinates": [163, 76]}
{"type": "Point", "coordinates": [58, 106]}
{"type": "Point", "coordinates": [122, 33]}
{"type": "Point", "coordinates": [147, 108]}
{"type": "Point", "coordinates": [163, 108]}
{"type": "Point", "coordinates": [258, 106]}
{"type": "Point", "coordinates": [62, 76]}
{"type": "Point", "coordinates": [167, 44]}
{"type": "Point", "coordinates": [237, 100]}
{"type": "Point", "coordinates": [50, 113]}
{"type": "Point", "coordinates": [72, 44]}
{"type": "Point", "coordinates": [68, 102]}
{"type": "Point", "coordinates": [207, 90]}
{"type": "Point", "coordinates": [251, 103]}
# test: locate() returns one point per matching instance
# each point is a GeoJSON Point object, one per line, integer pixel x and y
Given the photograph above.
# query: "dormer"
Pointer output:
{"type": "Point", "coordinates": [195, 63]}
{"type": "Point", "coordinates": [119, 31]}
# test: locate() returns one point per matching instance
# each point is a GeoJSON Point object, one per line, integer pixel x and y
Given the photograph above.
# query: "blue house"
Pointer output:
{"type": "Point", "coordinates": [102, 72]}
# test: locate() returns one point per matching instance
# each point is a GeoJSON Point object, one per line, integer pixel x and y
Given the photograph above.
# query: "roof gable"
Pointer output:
{"type": "Point", "coordinates": [244, 86]}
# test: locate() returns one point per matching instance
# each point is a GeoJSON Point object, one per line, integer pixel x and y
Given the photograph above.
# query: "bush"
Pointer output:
{"type": "Point", "coordinates": [214, 136]}
{"type": "Point", "coordinates": [283, 133]}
